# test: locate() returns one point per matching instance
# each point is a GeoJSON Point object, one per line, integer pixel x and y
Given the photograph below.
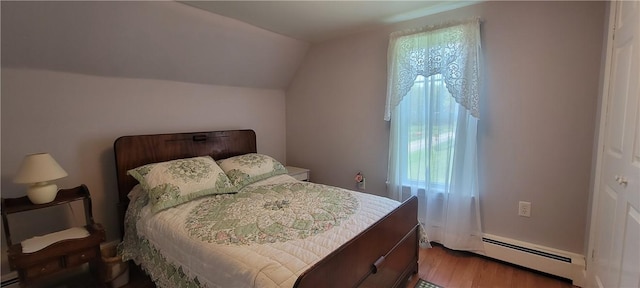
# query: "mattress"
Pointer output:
{"type": "Point", "coordinates": [266, 235]}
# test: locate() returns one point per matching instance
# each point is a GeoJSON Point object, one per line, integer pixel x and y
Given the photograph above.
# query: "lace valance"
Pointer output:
{"type": "Point", "coordinates": [451, 49]}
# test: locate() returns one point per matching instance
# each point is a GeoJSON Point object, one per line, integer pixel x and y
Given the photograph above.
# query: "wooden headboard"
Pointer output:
{"type": "Point", "coordinates": [137, 150]}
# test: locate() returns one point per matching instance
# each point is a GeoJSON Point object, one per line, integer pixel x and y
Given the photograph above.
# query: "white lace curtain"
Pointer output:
{"type": "Point", "coordinates": [432, 146]}
{"type": "Point", "coordinates": [450, 49]}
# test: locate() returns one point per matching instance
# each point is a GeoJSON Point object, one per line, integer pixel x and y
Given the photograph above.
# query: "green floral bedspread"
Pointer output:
{"type": "Point", "coordinates": [256, 215]}
{"type": "Point", "coordinates": [270, 213]}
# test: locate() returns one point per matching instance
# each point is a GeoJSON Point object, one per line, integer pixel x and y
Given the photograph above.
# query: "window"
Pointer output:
{"type": "Point", "coordinates": [432, 103]}
{"type": "Point", "coordinates": [429, 159]}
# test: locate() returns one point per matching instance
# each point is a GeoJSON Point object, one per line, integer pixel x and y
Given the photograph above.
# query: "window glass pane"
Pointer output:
{"type": "Point", "coordinates": [431, 114]}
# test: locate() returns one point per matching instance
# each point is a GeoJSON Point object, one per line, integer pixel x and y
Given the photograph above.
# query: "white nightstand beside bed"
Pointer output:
{"type": "Point", "coordinates": [301, 174]}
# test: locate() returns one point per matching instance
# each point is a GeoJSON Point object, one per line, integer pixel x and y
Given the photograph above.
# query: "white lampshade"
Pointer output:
{"type": "Point", "coordinates": [37, 170]}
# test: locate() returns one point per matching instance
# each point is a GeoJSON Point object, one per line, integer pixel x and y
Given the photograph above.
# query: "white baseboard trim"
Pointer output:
{"type": "Point", "coordinates": [110, 243]}
{"type": "Point", "coordinates": [10, 280]}
{"type": "Point", "coordinates": [544, 259]}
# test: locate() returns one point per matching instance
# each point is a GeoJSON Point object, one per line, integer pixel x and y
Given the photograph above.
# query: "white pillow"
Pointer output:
{"type": "Point", "coordinates": [178, 181]}
{"type": "Point", "coordinates": [249, 168]}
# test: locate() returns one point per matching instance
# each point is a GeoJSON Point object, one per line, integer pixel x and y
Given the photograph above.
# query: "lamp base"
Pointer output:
{"type": "Point", "coordinates": [41, 193]}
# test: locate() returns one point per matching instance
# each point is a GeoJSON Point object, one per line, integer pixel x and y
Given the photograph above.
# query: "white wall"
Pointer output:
{"type": "Point", "coordinates": [537, 121]}
{"type": "Point", "coordinates": [77, 117]}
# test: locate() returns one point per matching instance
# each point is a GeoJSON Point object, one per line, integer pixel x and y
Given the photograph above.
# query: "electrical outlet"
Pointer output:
{"type": "Point", "coordinates": [524, 209]}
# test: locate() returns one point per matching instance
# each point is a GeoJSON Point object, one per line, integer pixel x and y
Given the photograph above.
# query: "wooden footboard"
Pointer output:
{"type": "Point", "coordinates": [382, 256]}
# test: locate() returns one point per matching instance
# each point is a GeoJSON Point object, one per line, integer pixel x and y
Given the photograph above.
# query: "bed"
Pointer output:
{"type": "Point", "coordinates": [382, 254]}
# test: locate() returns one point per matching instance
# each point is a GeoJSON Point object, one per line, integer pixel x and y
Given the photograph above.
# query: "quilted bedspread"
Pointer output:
{"type": "Point", "coordinates": [266, 235]}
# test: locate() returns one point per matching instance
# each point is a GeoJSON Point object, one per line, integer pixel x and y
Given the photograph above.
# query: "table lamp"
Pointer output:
{"type": "Point", "coordinates": [38, 170]}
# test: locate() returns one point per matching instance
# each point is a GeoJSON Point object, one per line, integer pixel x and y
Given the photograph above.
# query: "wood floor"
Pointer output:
{"type": "Point", "coordinates": [454, 269]}
{"type": "Point", "coordinates": [449, 269]}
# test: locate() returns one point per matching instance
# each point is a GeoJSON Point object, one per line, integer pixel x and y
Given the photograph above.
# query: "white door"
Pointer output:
{"type": "Point", "coordinates": [615, 245]}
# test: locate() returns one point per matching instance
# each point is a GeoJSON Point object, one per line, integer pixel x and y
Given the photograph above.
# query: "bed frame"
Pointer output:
{"type": "Point", "coordinates": [384, 255]}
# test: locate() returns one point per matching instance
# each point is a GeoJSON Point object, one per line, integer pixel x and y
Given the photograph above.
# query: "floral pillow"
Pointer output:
{"type": "Point", "coordinates": [249, 168]}
{"type": "Point", "coordinates": [178, 181]}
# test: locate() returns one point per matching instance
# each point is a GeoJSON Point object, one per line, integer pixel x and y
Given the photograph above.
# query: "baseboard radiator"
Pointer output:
{"type": "Point", "coordinates": [544, 259]}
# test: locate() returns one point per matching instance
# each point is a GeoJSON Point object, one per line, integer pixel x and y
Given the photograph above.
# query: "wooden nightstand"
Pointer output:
{"type": "Point", "coordinates": [60, 255]}
{"type": "Point", "coordinates": [301, 174]}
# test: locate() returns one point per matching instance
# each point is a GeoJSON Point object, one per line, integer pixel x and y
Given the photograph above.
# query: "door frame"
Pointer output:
{"type": "Point", "coordinates": [598, 149]}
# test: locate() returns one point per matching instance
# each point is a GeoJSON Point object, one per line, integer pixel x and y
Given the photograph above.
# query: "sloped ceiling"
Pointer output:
{"type": "Point", "coordinates": [317, 21]}
{"type": "Point", "coordinates": [257, 44]}
{"type": "Point", "coordinates": [153, 40]}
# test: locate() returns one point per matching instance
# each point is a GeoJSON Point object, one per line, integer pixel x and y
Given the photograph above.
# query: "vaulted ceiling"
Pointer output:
{"type": "Point", "coordinates": [233, 43]}
{"type": "Point", "coordinates": [316, 21]}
